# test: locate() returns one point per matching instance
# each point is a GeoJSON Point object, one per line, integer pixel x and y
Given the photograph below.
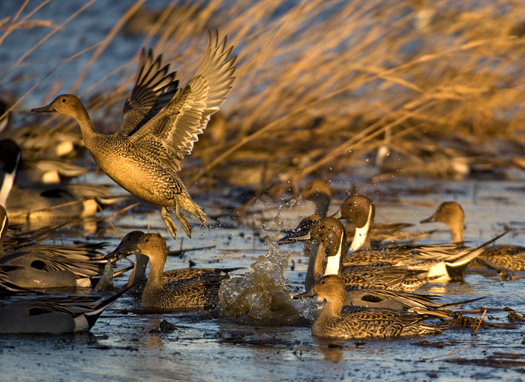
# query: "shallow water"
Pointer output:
{"type": "Point", "coordinates": [127, 344]}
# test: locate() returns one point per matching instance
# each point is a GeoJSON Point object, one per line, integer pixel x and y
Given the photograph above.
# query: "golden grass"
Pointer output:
{"type": "Point", "coordinates": [319, 84]}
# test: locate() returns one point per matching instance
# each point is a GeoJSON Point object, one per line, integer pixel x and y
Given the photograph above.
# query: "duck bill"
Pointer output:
{"type": "Point", "coordinates": [120, 253]}
{"type": "Point", "coordinates": [309, 293]}
{"type": "Point", "coordinates": [428, 220]}
{"type": "Point", "coordinates": [44, 109]}
{"type": "Point", "coordinates": [294, 237]}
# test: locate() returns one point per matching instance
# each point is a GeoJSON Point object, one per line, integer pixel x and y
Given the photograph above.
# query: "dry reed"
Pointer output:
{"type": "Point", "coordinates": [325, 82]}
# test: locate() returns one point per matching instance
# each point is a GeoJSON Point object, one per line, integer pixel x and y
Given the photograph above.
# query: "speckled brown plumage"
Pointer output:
{"type": "Point", "coordinates": [188, 289]}
{"type": "Point", "coordinates": [158, 133]}
{"type": "Point", "coordinates": [332, 323]}
{"type": "Point", "coordinates": [499, 256]}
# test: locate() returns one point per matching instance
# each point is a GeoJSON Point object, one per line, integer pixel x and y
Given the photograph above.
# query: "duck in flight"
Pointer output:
{"type": "Point", "coordinates": [161, 123]}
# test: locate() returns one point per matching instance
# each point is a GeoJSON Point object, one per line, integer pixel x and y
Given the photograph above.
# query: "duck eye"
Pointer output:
{"type": "Point", "coordinates": [147, 240]}
{"type": "Point", "coordinates": [63, 100]}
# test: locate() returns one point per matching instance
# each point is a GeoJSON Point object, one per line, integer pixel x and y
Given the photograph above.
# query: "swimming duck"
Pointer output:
{"type": "Point", "coordinates": [359, 210]}
{"type": "Point", "coordinates": [447, 260]}
{"type": "Point", "coordinates": [170, 278]}
{"type": "Point", "coordinates": [329, 234]}
{"type": "Point", "coordinates": [34, 265]}
{"type": "Point", "coordinates": [51, 266]}
{"type": "Point", "coordinates": [402, 301]}
{"type": "Point", "coordinates": [161, 124]}
{"type": "Point", "coordinates": [374, 323]}
{"type": "Point", "coordinates": [193, 294]}
{"type": "Point", "coordinates": [39, 201]}
{"type": "Point", "coordinates": [71, 314]}
{"type": "Point", "coordinates": [498, 256]}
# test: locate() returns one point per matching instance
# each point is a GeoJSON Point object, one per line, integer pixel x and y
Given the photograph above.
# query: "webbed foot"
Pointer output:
{"type": "Point", "coordinates": [169, 223]}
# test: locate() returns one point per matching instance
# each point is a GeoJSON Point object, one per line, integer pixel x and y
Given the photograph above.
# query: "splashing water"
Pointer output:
{"type": "Point", "coordinates": [261, 296]}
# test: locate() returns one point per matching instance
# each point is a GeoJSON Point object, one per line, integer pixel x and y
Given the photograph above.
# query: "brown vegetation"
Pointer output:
{"type": "Point", "coordinates": [323, 83]}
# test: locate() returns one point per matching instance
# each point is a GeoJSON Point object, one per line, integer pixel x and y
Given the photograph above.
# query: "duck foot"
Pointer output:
{"type": "Point", "coordinates": [182, 220]}
{"type": "Point", "coordinates": [169, 223]}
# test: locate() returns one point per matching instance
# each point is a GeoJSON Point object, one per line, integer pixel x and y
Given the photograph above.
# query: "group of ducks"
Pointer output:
{"type": "Point", "coordinates": [161, 124]}
{"type": "Point", "coordinates": [348, 265]}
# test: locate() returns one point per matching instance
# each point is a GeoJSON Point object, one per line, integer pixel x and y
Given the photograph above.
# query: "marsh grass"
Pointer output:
{"type": "Point", "coordinates": [322, 83]}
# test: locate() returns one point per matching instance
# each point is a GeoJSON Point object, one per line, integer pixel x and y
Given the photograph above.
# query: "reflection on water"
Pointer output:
{"type": "Point", "coordinates": [126, 342]}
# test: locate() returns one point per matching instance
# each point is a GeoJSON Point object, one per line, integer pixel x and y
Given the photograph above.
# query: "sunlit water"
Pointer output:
{"type": "Point", "coordinates": [264, 340]}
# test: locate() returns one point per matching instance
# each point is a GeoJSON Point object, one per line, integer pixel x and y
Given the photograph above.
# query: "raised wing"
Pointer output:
{"type": "Point", "coordinates": [174, 129]}
{"type": "Point", "coordinates": [153, 89]}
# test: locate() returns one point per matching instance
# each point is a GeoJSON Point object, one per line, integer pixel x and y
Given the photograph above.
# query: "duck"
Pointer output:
{"type": "Point", "coordinates": [137, 279]}
{"type": "Point", "coordinates": [497, 256]}
{"type": "Point", "coordinates": [401, 301]}
{"type": "Point", "coordinates": [329, 234]}
{"type": "Point", "coordinates": [168, 290]}
{"type": "Point", "coordinates": [369, 323]}
{"type": "Point", "coordinates": [53, 315]}
{"type": "Point", "coordinates": [160, 125]}
{"type": "Point", "coordinates": [52, 266]}
{"type": "Point", "coordinates": [35, 266]}
{"type": "Point", "coordinates": [359, 210]}
{"type": "Point", "coordinates": [39, 201]}
{"type": "Point", "coordinates": [443, 262]}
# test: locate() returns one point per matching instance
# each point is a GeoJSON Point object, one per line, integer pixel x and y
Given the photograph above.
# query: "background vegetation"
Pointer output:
{"type": "Point", "coordinates": [322, 84]}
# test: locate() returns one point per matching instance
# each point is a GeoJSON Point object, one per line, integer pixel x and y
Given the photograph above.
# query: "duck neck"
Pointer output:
{"type": "Point", "coordinates": [316, 263]}
{"type": "Point", "coordinates": [333, 307]}
{"type": "Point", "coordinates": [4, 222]}
{"type": "Point", "coordinates": [333, 263]}
{"type": "Point", "coordinates": [156, 270]}
{"type": "Point", "coordinates": [138, 273]}
{"type": "Point", "coordinates": [322, 202]}
{"type": "Point", "coordinates": [456, 231]}
{"type": "Point", "coordinates": [89, 133]}
{"type": "Point", "coordinates": [361, 238]}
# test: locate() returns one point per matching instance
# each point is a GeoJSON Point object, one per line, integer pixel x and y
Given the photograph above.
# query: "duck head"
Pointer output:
{"type": "Point", "coordinates": [67, 104]}
{"type": "Point", "coordinates": [126, 247]}
{"type": "Point", "coordinates": [329, 287]}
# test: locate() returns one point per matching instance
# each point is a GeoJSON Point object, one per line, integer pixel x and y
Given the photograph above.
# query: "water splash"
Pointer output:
{"type": "Point", "coordinates": [262, 296]}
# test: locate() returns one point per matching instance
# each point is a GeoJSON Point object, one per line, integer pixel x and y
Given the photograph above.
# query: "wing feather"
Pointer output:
{"type": "Point", "coordinates": [186, 116]}
{"type": "Point", "coordinates": [154, 88]}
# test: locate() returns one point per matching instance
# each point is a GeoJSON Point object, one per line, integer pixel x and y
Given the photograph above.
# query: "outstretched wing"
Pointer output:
{"type": "Point", "coordinates": [154, 88]}
{"type": "Point", "coordinates": [174, 130]}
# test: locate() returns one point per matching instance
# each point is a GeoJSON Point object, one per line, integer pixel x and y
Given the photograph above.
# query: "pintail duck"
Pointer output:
{"type": "Point", "coordinates": [332, 323]}
{"type": "Point", "coordinates": [193, 294]}
{"type": "Point", "coordinates": [170, 278]}
{"type": "Point", "coordinates": [161, 124]}
{"type": "Point", "coordinates": [319, 192]}
{"type": "Point", "coordinates": [402, 301]}
{"type": "Point", "coordinates": [34, 266]}
{"type": "Point", "coordinates": [498, 256]}
{"type": "Point", "coordinates": [39, 201]}
{"type": "Point", "coordinates": [70, 314]}
{"type": "Point", "coordinates": [359, 210]}
{"type": "Point", "coordinates": [447, 260]}
{"type": "Point", "coordinates": [50, 266]}
{"type": "Point", "coordinates": [329, 234]}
